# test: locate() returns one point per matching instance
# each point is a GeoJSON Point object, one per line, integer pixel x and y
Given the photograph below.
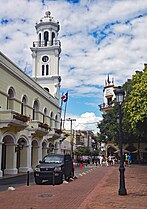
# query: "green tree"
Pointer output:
{"type": "Point", "coordinates": [135, 105]}
{"type": "Point", "coordinates": [108, 126]}
{"type": "Point", "coordinates": [134, 112]}
{"type": "Point", "coordinates": [82, 151]}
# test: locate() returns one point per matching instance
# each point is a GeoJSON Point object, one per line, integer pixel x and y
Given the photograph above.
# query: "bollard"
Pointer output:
{"type": "Point", "coordinates": [28, 178]}
{"type": "Point", "coordinates": [53, 178]}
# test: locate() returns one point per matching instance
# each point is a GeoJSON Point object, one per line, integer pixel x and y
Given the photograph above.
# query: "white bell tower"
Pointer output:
{"type": "Point", "coordinates": [109, 96]}
{"type": "Point", "coordinates": [45, 54]}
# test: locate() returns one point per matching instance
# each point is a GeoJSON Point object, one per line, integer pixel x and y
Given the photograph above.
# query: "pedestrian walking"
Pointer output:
{"type": "Point", "coordinates": [126, 159]}
{"type": "Point", "coordinates": [101, 160]}
{"type": "Point", "coordinates": [129, 159]}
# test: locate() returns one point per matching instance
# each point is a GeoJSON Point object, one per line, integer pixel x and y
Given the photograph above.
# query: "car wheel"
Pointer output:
{"type": "Point", "coordinates": [38, 181]}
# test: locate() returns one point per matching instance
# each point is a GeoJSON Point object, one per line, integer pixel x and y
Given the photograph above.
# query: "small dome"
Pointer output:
{"type": "Point", "coordinates": [47, 13]}
{"type": "Point", "coordinates": [46, 21]}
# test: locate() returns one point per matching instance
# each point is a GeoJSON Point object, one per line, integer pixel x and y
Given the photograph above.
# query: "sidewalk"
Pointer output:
{"type": "Point", "coordinates": [97, 189]}
{"type": "Point", "coordinates": [105, 195]}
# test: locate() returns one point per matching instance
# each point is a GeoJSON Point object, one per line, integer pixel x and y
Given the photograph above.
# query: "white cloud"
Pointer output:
{"type": "Point", "coordinates": [86, 121]}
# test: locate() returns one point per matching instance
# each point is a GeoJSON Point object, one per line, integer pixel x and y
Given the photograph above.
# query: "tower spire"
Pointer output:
{"type": "Point", "coordinates": [108, 80]}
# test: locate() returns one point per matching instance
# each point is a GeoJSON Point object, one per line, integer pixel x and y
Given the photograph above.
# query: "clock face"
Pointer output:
{"type": "Point", "coordinates": [45, 58]}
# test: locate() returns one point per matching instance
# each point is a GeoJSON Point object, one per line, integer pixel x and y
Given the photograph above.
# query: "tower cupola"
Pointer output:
{"type": "Point", "coordinates": [47, 30]}
{"type": "Point", "coordinates": [108, 95]}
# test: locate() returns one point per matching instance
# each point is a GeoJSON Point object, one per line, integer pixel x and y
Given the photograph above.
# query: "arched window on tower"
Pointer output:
{"type": "Point", "coordinates": [47, 70]}
{"type": "Point", "coordinates": [45, 38]}
{"type": "Point", "coordinates": [42, 69]}
{"type": "Point", "coordinates": [39, 39]}
{"type": "Point", "coordinates": [53, 38]}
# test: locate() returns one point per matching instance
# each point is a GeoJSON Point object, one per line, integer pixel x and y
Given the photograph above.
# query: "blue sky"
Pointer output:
{"type": "Point", "coordinates": [98, 37]}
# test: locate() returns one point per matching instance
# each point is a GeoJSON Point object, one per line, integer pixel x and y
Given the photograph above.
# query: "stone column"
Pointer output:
{"type": "Point", "coordinates": [29, 153]}
{"type": "Point", "coordinates": [1, 173]}
{"type": "Point", "coordinates": [11, 157]}
{"type": "Point", "coordinates": [40, 151]}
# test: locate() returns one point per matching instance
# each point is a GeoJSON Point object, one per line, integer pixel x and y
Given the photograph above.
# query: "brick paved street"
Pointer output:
{"type": "Point", "coordinates": [96, 190]}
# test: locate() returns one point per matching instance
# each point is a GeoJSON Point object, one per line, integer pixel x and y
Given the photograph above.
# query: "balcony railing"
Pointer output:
{"type": "Point", "coordinates": [58, 131]}
{"type": "Point", "coordinates": [9, 118]}
{"type": "Point", "coordinates": [44, 125]}
{"type": "Point", "coordinates": [38, 128]}
{"type": "Point", "coordinates": [21, 117]}
{"type": "Point", "coordinates": [46, 43]}
{"type": "Point", "coordinates": [105, 106]}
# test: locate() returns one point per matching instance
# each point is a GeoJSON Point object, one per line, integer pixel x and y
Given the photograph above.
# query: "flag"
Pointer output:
{"type": "Point", "coordinates": [65, 97]}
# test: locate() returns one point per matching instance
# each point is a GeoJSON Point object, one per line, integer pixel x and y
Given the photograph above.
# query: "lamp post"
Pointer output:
{"type": "Point", "coordinates": [119, 93]}
{"type": "Point", "coordinates": [71, 135]}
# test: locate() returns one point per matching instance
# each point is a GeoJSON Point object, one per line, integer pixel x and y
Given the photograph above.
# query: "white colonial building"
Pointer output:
{"type": "Point", "coordinates": [30, 107]}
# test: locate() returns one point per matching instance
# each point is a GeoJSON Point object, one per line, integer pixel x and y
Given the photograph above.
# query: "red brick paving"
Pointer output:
{"type": "Point", "coordinates": [96, 190]}
{"type": "Point", "coordinates": [105, 194]}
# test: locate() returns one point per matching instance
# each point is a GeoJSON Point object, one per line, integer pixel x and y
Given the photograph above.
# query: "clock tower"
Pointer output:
{"type": "Point", "coordinates": [45, 55]}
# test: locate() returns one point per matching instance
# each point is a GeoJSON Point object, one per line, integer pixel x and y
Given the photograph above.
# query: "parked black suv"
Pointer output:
{"type": "Point", "coordinates": [55, 168]}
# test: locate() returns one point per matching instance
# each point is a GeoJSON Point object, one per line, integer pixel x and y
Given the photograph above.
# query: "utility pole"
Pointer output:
{"type": "Point", "coordinates": [71, 135]}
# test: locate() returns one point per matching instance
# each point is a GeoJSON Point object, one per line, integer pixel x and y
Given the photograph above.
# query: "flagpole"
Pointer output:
{"type": "Point", "coordinates": [64, 114]}
{"type": "Point", "coordinates": [64, 99]}
{"type": "Point", "coordinates": [61, 112]}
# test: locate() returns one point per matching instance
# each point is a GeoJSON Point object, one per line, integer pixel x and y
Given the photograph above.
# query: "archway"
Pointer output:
{"type": "Point", "coordinates": [21, 150]}
{"type": "Point", "coordinates": [8, 157]}
{"type": "Point", "coordinates": [44, 149]}
{"type": "Point", "coordinates": [111, 150]}
{"type": "Point", "coordinates": [133, 150]}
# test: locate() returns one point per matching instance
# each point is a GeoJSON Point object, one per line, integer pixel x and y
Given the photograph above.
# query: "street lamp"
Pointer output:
{"type": "Point", "coordinates": [71, 135]}
{"type": "Point", "coordinates": [119, 93]}
{"type": "Point", "coordinates": [20, 146]}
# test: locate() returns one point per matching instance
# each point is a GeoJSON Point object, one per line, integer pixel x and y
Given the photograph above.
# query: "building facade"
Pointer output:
{"type": "Point", "coordinates": [30, 107]}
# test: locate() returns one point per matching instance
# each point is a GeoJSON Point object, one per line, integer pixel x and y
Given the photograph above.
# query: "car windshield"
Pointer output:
{"type": "Point", "coordinates": [53, 159]}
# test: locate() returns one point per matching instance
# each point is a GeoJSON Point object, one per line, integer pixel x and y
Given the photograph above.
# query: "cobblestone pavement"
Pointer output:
{"type": "Point", "coordinates": [97, 189]}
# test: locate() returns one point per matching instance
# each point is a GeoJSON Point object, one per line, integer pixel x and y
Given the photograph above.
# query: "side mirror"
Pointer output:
{"type": "Point", "coordinates": [40, 161]}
